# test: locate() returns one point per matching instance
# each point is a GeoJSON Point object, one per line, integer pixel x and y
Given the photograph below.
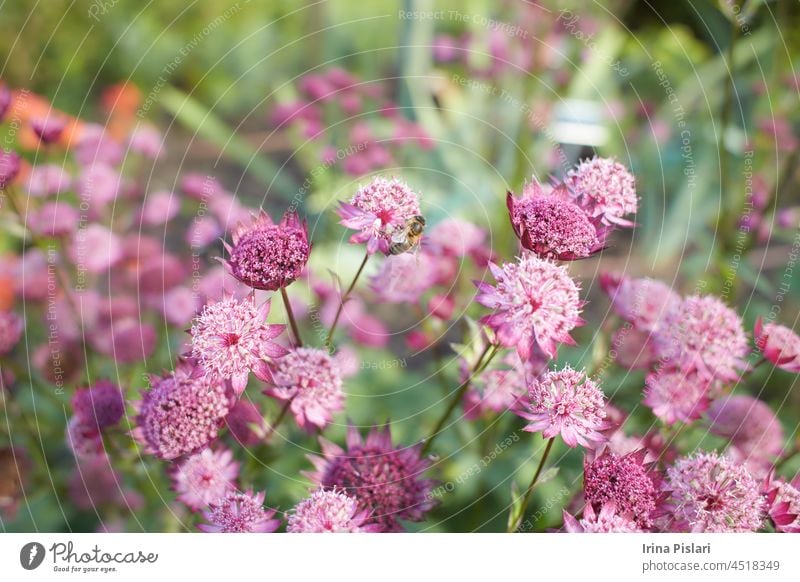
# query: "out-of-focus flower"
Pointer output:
{"type": "Point", "coordinates": [363, 327]}
{"type": "Point", "coordinates": [126, 340]}
{"type": "Point", "coordinates": [501, 389]}
{"type": "Point", "coordinates": [95, 248]}
{"type": "Point", "coordinates": [624, 480]}
{"type": "Point", "coordinates": [246, 423]}
{"type": "Point", "coordinates": [446, 48]}
{"type": "Point", "coordinates": [179, 305]}
{"type": "Point", "coordinates": [11, 327]}
{"type": "Point", "coordinates": [377, 211]}
{"type": "Point", "coordinates": [100, 405]}
{"type": "Point", "coordinates": [96, 147]}
{"type": "Point", "coordinates": [9, 167]}
{"type": "Point", "coordinates": [84, 440]}
{"type": "Point", "coordinates": [329, 511]}
{"type": "Point", "coordinates": [269, 256]}
{"type": "Point", "coordinates": [47, 180]}
{"type": "Point", "coordinates": [14, 465]}
{"type": "Point", "coordinates": [535, 302]}
{"type": "Point", "coordinates": [200, 187]}
{"type": "Point", "coordinates": [550, 225]}
{"type": "Point", "coordinates": [231, 338]}
{"type": "Point", "coordinates": [310, 379]}
{"type": "Point", "coordinates": [48, 129]}
{"type": "Point", "coordinates": [5, 100]}
{"type": "Point", "coordinates": [160, 207]}
{"type": "Point", "coordinates": [709, 493]}
{"type": "Point", "coordinates": [386, 481]}
{"type": "Point", "coordinates": [676, 395]}
{"type": "Point", "coordinates": [643, 302]}
{"type": "Point", "coordinates": [146, 140]}
{"type": "Point", "coordinates": [205, 477]}
{"type": "Point", "coordinates": [240, 512]}
{"type": "Point", "coordinates": [632, 348]}
{"type": "Point", "coordinates": [783, 503]}
{"type": "Point", "coordinates": [607, 521]}
{"type": "Point", "coordinates": [568, 403]}
{"type": "Point", "coordinates": [459, 238]}
{"type": "Point", "coordinates": [94, 483]}
{"type": "Point", "coordinates": [54, 219]}
{"type": "Point", "coordinates": [605, 189]}
{"type": "Point", "coordinates": [779, 344]}
{"type": "Point", "coordinates": [181, 413]}
{"type": "Point", "coordinates": [702, 334]}
{"type": "Point", "coordinates": [203, 231]}
{"type": "Point", "coordinates": [99, 185]}
{"type": "Point", "coordinates": [404, 278]}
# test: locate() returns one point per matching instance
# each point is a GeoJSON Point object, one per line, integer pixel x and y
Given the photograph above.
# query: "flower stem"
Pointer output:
{"type": "Point", "coordinates": [290, 315]}
{"type": "Point", "coordinates": [527, 496]}
{"type": "Point", "coordinates": [278, 420]}
{"type": "Point", "coordinates": [345, 297]}
{"type": "Point", "coordinates": [479, 367]}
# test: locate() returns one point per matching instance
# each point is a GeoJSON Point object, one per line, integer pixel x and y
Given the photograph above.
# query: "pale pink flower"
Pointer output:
{"type": "Point", "coordinates": [783, 503]}
{"type": "Point", "coordinates": [160, 207]}
{"type": "Point", "coordinates": [48, 180]}
{"type": "Point", "coordinates": [605, 188]}
{"type": "Point", "coordinates": [607, 521]}
{"type": "Point", "coordinates": [404, 278]}
{"type": "Point", "coordinates": [54, 219]}
{"type": "Point", "coordinates": [779, 344]}
{"type": "Point", "coordinates": [146, 140]}
{"type": "Point", "coordinates": [643, 302]}
{"type": "Point", "coordinates": [240, 512]}
{"type": "Point", "coordinates": [205, 477]}
{"type": "Point", "coordinates": [11, 328]}
{"type": "Point", "coordinates": [329, 511]}
{"type": "Point", "coordinates": [99, 185]}
{"type": "Point", "coordinates": [675, 395]}
{"type": "Point", "coordinates": [95, 248]}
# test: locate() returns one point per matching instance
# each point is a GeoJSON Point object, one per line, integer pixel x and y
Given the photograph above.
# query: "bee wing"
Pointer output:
{"type": "Point", "coordinates": [400, 236]}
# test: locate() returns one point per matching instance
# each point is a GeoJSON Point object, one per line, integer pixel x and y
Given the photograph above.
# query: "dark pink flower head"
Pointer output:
{"type": "Point", "coordinates": [535, 302]}
{"type": "Point", "coordinates": [675, 395]}
{"type": "Point", "coordinates": [387, 482]}
{"type": "Point", "coordinates": [329, 511]}
{"type": "Point", "coordinates": [9, 167]}
{"type": "Point", "coordinates": [779, 344]}
{"type": "Point", "coordinates": [94, 483]}
{"type": "Point", "coordinates": [643, 302]}
{"type": "Point", "coordinates": [246, 423]}
{"type": "Point", "coordinates": [754, 432]}
{"type": "Point", "coordinates": [269, 256]}
{"type": "Point", "coordinates": [240, 512]}
{"type": "Point", "coordinates": [709, 493]}
{"type": "Point", "coordinates": [231, 338]}
{"type": "Point", "coordinates": [379, 210]}
{"type": "Point", "coordinates": [605, 189]}
{"type": "Point", "coordinates": [783, 503]}
{"type": "Point", "coordinates": [404, 278]}
{"type": "Point", "coordinates": [11, 328]}
{"type": "Point", "coordinates": [205, 477]}
{"type": "Point", "coordinates": [606, 521]}
{"type": "Point", "coordinates": [84, 440]}
{"type": "Point", "coordinates": [568, 403]}
{"type": "Point", "coordinates": [181, 413]}
{"type": "Point", "coordinates": [49, 129]}
{"type": "Point", "coordinates": [311, 380]}
{"type": "Point", "coordinates": [624, 480]}
{"type": "Point", "coordinates": [101, 405]}
{"type": "Point", "coordinates": [702, 334]}
{"type": "Point", "coordinates": [552, 226]}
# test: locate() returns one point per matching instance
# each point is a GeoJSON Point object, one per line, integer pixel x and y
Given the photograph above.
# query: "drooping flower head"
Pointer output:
{"type": "Point", "coordinates": [11, 328]}
{"type": "Point", "coordinates": [240, 512]}
{"type": "Point", "coordinates": [499, 389]}
{"type": "Point", "coordinates": [9, 167]}
{"type": "Point", "coordinates": [49, 129]}
{"type": "Point", "coordinates": [309, 378]}
{"type": "Point", "coordinates": [675, 395]}
{"type": "Point", "coordinates": [643, 302]}
{"type": "Point", "coordinates": [702, 334]}
{"type": "Point", "coordinates": [377, 211]}
{"type": "Point", "coordinates": [404, 278]}
{"type": "Point", "coordinates": [269, 256]}
{"type": "Point", "coordinates": [779, 344]}
{"type": "Point", "coordinates": [386, 482]}
{"type": "Point", "coordinates": [605, 189]}
{"type": "Point", "coordinates": [205, 477]}
{"type": "Point", "coordinates": [329, 511]}
{"type": "Point", "coordinates": [550, 225]}
{"type": "Point", "coordinates": [568, 403]}
{"type": "Point", "coordinates": [101, 405]}
{"type": "Point", "coordinates": [535, 302]}
{"type": "Point", "coordinates": [231, 338]}
{"type": "Point", "coordinates": [783, 503]}
{"type": "Point", "coordinates": [606, 521]}
{"type": "Point", "coordinates": [181, 413]}
{"type": "Point", "coordinates": [624, 480]}
{"type": "Point", "coordinates": [709, 493]}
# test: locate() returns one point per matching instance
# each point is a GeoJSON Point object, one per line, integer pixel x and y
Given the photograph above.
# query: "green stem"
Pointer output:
{"type": "Point", "coordinates": [479, 367]}
{"type": "Point", "coordinates": [527, 496]}
{"type": "Point", "coordinates": [278, 420]}
{"type": "Point", "coordinates": [345, 297]}
{"type": "Point", "coordinates": [290, 315]}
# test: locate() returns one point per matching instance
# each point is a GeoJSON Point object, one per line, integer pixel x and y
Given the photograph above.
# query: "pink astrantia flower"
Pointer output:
{"type": "Point", "coordinates": [568, 403]}
{"type": "Point", "coordinates": [245, 423]}
{"type": "Point", "coordinates": [498, 390]}
{"type": "Point", "coordinates": [205, 477]}
{"type": "Point", "coordinates": [146, 140]}
{"type": "Point", "coordinates": [677, 396]}
{"type": "Point", "coordinates": [779, 344]}
{"type": "Point", "coordinates": [99, 406]}
{"type": "Point", "coordinates": [459, 238]}
{"type": "Point", "coordinates": [535, 302]}
{"type": "Point", "coordinates": [607, 521]}
{"type": "Point", "coordinates": [404, 278]}
{"type": "Point", "coordinates": [231, 338]}
{"type": "Point", "coordinates": [377, 211]}
{"type": "Point", "coordinates": [9, 167]}
{"type": "Point", "coordinates": [702, 334]}
{"type": "Point", "coordinates": [709, 493]}
{"type": "Point", "coordinates": [95, 248]}
{"type": "Point", "coordinates": [783, 503]}
{"type": "Point", "coordinates": [643, 302]}
{"type": "Point", "coordinates": [386, 481]}
{"type": "Point", "coordinates": [269, 256]}
{"type": "Point", "coordinates": [624, 480]}
{"type": "Point", "coordinates": [160, 207]}
{"type": "Point", "coordinates": [606, 189]}
{"type": "Point", "coordinates": [84, 440]}
{"type": "Point", "coordinates": [240, 512]}
{"type": "Point", "coordinates": [48, 180]}
{"type": "Point", "coordinates": [329, 511]}
{"type": "Point", "coordinates": [181, 413]}
{"type": "Point", "coordinates": [48, 129]}
{"type": "Point", "coordinates": [552, 226]}
{"type": "Point", "coordinates": [311, 380]}
{"type": "Point", "coordinates": [54, 219]}
{"type": "Point", "coordinates": [11, 327]}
